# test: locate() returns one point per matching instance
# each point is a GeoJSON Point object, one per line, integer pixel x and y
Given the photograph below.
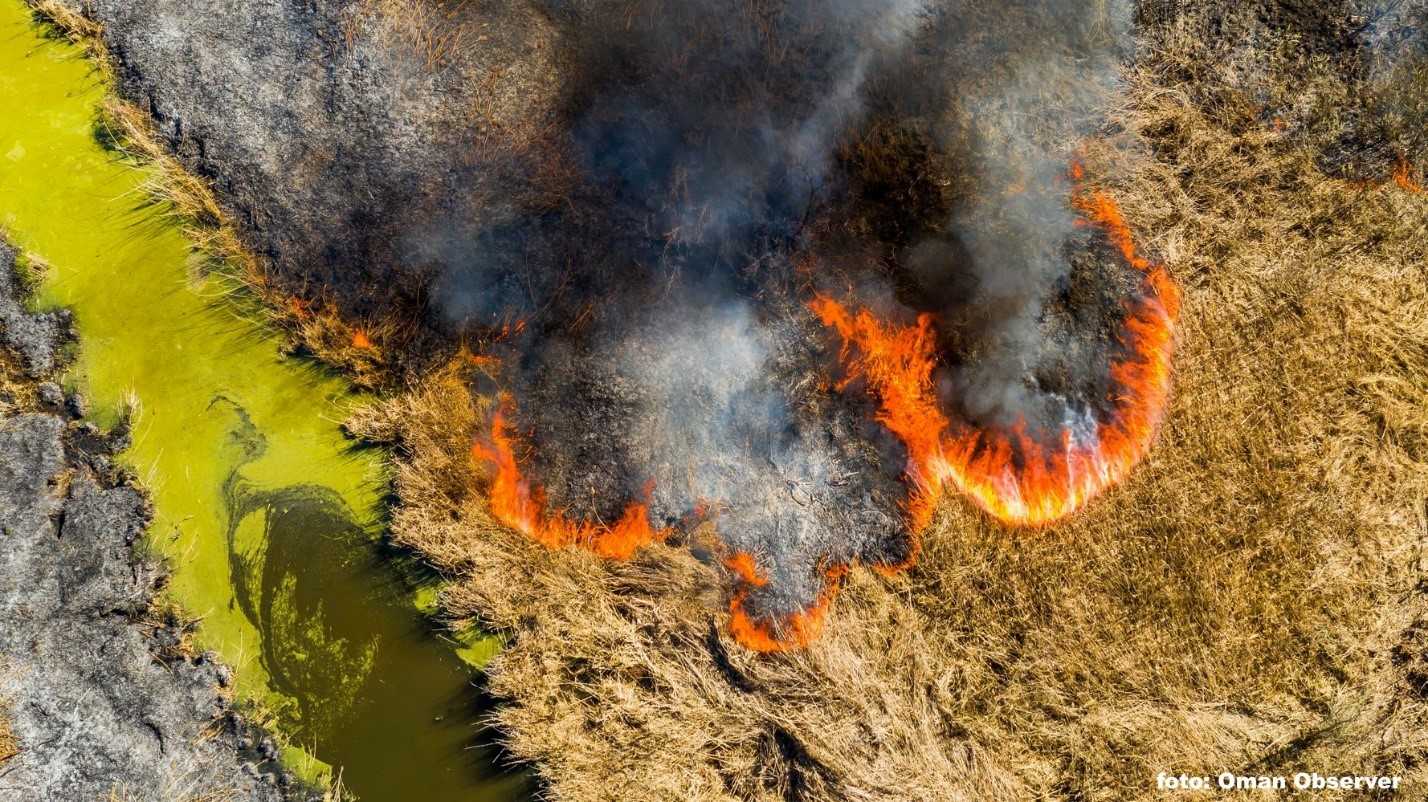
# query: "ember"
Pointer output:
{"type": "Point", "coordinates": [1402, 176]}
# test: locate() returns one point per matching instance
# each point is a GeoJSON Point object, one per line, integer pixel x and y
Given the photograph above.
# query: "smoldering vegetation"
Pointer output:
{"type": "Point", "coordinates": [630, 204]}
{"type": "Point", "coordinates": [330, 133]}
{"type": "Point", "coordinates": [665, 352]}
{"type": "Point", "coordinates": [1247, 600]}
{"type": "Point", "coordinates": [1026, 294]}
{"type": "Point", "coordinates": [655, 339]}
{"type": "Point", "coordinates": [1349, 76]}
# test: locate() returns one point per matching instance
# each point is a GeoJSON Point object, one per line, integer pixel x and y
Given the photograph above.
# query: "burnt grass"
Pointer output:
{"type": "Point", "coordinates": [1256, 583]}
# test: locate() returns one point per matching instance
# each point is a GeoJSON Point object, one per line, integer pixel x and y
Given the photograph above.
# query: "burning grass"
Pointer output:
{"type": "Point", "coordinates": [1236, 605]}
{"type": "Point", "coordinates": [1246, 601]}
{"type": "Point", "coordinates": [523, 507]}
{"type": "Point", "coordinates": [1011, 473]}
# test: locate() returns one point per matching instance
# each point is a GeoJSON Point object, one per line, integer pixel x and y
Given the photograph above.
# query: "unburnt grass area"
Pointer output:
{"type": "Point", "coordinates": [9, 747]}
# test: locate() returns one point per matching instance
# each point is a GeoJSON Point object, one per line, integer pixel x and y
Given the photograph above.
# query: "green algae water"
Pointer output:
{"type": "Point", "coordinates": [267, 514]}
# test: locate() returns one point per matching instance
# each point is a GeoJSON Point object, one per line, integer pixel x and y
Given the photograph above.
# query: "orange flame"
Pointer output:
{"type": "Point", "coordinates": [522, 506]}
{"type": "Point", "coordinates": [361, 340]}
{"type": "Point", "coordinates": [1008, 473]}
{"type": "Point", "coordinates": [795, 631]}
{"type": "Point", "coordinates": [1403, 177]}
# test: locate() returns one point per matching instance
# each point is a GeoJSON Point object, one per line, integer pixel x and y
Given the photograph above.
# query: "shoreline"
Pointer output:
{"type": "Point", "coordinates": [102, 692]}
{"type": "Point", "coordinates": [1064, 663]}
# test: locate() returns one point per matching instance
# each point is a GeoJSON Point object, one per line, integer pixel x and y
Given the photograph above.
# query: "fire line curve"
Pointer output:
{"type": "Point", "coordinates": [1008, 472]}
{"type": "Point", "coordinates": [518, 503]}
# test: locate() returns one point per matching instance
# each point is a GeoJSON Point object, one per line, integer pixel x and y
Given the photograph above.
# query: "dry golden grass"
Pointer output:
{"type": "Point", "coordinates": [1246, 602]}
{"type": "Point", "coordinates": [1251, 600]}
{"type": "Point", "coordinates": [9, 747]}
{"type": "Point", "coordinates": [121, 793]}
{"type": "Point", "coordinates": [79, 28]}
{"type": "Point", "coordinates": [17, 390]}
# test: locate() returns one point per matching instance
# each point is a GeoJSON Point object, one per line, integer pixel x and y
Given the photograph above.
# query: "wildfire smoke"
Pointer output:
{"type": "Point", "coordinates": [667, 358]}
{"type": "Point", "coordinates": [1008, 471]}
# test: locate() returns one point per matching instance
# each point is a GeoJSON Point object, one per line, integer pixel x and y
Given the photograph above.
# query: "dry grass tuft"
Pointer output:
{"type": "Point", "coordinates": [1246, 602]}
{"type": "Point", "coordinates": [187, 198]}
{"type": "Point", "coordinates": [17, 389]}
{"type": "Point", "coordinates": [80, 29]}
{"type": "Point", "coordinates": [129, 129]}
{"type": "Point", "coordinates": [9, 747]}
{"type": "Point", "coordinates": [432, 29]}
{"type": "Point", "coordinates": [364, 349]}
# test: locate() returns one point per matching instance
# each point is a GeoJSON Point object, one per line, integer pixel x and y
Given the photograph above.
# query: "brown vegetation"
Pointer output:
{"type": "Point", "coordinates": [316, 326]}
{"type": "Point", "coordinates": [1241, 604]}
{"type": "Point", "coordinates": [8, 746]}
{"type": "Point", "coordinates": [432, 29]}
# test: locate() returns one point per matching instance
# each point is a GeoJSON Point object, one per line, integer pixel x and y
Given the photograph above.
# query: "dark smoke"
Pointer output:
{"type": "Point", "coordinates": [662, 261]}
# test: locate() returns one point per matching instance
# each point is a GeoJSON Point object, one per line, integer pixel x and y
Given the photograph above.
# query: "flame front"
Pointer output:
{"type": "Point", "coordinates": [794, 631]}
{"type": "Point", "coordinates": [522, 506]}
{"type": "Point", "coordinates": [519, 504]}
{"type": "Point", "coordinates": [1403, 176]}
{"type": "Point", "coordinates": [1007, 472]}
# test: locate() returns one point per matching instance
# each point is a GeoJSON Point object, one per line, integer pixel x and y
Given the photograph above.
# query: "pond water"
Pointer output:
{"type": "Point", "coordinates": [269, 517]}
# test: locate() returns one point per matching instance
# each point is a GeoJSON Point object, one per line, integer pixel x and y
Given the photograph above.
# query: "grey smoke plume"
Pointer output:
{"type": "Point", "coordinates": [661, 271]}
{"type": "Point", "coordinates": [1035, 349]}
{"type": "Point", "coordinates": [708, 131]}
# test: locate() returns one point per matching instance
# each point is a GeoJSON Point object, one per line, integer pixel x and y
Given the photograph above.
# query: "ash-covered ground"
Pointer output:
{"type": "Point", "coordinates": [717, 173]}
{"type": "Point", "coordinates": [653, 191]}
{"type": "Point", "coordinates": [100, 698]}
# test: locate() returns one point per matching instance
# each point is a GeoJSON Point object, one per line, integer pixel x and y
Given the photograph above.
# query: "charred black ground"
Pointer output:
{"type": "Point", "coordinates": [653, 190]}
{"type": "Point", "coordinates": [671, 354]}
